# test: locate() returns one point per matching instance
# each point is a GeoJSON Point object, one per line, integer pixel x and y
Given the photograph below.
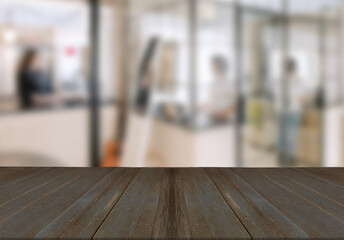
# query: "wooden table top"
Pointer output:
{"type": "Point", "coordinates": [171, 203]}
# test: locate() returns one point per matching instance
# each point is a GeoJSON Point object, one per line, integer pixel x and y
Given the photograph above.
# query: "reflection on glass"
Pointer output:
{"type": "Point", "coordinates": [215, 73]}
{"type": "Point", "coordinates": [44, 52]}
{"type": "Point", "coordinates": [262, 35]}
{"type": "Point", "coordinates": [43, 49]}
{"type": "Point", "coordinates": [34, 85]}
{"type": "Point", "coordinates": [198, 82]}
{"type": "Point", "coordinates": [290, 115]}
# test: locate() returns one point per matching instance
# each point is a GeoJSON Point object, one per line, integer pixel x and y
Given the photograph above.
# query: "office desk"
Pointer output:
{"type": "Point", "coordinates": [157, 142]}
{"type": "Point", "coordinates": [171, 203]}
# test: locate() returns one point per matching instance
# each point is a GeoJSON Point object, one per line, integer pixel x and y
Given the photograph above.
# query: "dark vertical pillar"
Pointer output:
{"type": "Point", "coordinates": [125, 74]}
{"type": "Point", "coordinates": [193, 18]}
{"type": "Point", "coordinates": [94, 83]}
{"type": "Point", "coordinates": [238, 47]}
{"type": "Point", "coordinates": [322, 56]}
{"type": "Point", "coordinates": [284, 158]}
{"type": "Point", "coordinates": [339, 28]}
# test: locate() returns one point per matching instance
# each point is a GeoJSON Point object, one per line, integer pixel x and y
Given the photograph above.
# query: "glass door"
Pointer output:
{"type": "Point", "coordinates": [262, 43]}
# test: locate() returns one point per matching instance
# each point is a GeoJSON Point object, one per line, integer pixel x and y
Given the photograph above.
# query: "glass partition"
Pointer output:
{"type": "Point", "coordinates": [215, 63]}
{"type": "Point", "coordinates": [265, 70]}
{"type": "Point", "coordinates": [160, 50]}
{"type": "Point", "coordinates": [44, 70]}
{"type": "Point", "coordinates": [44, 49]}
{"type": "Point", "coordinates": [262, 37]}
{"type": "Point", "coordinates": [301, 126]}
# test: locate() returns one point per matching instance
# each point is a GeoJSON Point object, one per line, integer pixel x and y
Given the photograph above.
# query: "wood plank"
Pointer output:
{"type": "Point", "coordinates": [209, 214]}
{"type": "Point", "coordinates": [19, 203]}
{"type": "Point", "coordinates": [94, 205]}
{"type": "Point", "coordinates": [30, 220]}
{"type": "Point", "coordinates": [171, 203]}
{"type": "Point", "coordinates": [310, 180]}
{"type": "Point", "coordinates": [7, 171]}
{"type": "Point", "coordinates": [25, 187]}
{"type": "Point", "coordinates": [333, 208]}
{"type": "Point", "coordinates": [331, 176]}
{"type": "Point", "coordinates": [314, 221]}
{"type": "Point", "coordinates": [261, 219]}
{"type": "Point", "coordinates": [134, 214]}
{"type": "Point", "coordinates": [20, 176]}
{"type": "Point", "coordinates": [172, 219]}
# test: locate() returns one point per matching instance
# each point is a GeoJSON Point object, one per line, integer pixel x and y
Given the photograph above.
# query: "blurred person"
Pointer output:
{"type": "Point", "coordinates": [222, 95]}
{"type": "Point", "coordinates": [290, 115]}
{"type": "Point", "coordinates": [34, 87]}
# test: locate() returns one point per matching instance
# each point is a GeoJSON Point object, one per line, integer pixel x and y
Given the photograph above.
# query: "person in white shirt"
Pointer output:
{"type": "Point", "coordinates": [221, 105]}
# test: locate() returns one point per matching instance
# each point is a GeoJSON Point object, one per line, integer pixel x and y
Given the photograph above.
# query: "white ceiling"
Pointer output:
{"type": "Point", "coordinates": [42, 13]}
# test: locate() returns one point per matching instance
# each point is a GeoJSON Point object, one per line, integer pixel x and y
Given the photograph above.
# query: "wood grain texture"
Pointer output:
{"type": "Point", "coordinates": [134, 214]}
{"type": "Point", "coordinates": [261, 219]}
{"type": "Point", "coordinates": [333, 177]}
{"type": "Point", "coordinates": [35, 215]}
{"type": "Point", "coordinates": [7, 171]}
{"type": "Point", "coordinates": [34, 182]}
{"type": "Point", "coordinates": [123, 203]}
{"type": "Point", "coordinates": [171, 221]}
{"type": "Point", "coordinates": [328, 173]}
{"type": "Point", "coordinates": [17, 204]}
{"type": "Point", "coordinates": [19, 176]}
{"type": "Point", "coordinates": [95, 204]}
{"type": "Point", "coordinates": [209, 213]}
{"type": "Point", "coordinates": [322, 202]}
{"type": "Point", "coordinates": [317, 182]}
{"type": "Point", "coordinates": [313, 220]}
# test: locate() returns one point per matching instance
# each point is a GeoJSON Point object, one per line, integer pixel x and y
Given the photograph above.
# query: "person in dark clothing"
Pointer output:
{"type": "Point", "coordinates": [34, 87]}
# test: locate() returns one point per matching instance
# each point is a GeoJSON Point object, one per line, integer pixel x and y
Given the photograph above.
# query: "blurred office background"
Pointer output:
{"type": "Point", "coordinates": [172, 83]}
